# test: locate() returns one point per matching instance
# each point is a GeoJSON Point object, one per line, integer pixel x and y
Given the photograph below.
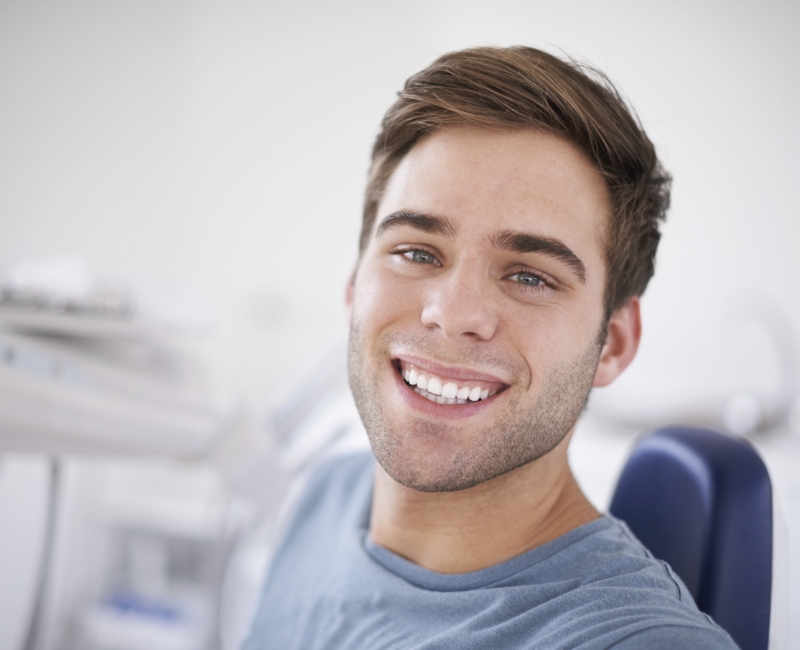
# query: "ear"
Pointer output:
{"type": "Point", "coordinates": [622, 342]}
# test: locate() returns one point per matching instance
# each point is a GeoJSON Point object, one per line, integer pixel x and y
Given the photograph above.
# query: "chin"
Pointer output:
{"type": "Point", "coordinates": [431, 457]}
{"type": "Point", "coordinates": [417, 464]}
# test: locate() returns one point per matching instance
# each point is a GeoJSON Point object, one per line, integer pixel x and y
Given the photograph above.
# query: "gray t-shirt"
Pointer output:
{"type": "Point", "coordinates": [331, 587]}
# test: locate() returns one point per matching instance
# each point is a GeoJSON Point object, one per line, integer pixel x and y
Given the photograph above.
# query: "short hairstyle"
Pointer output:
{"type": "Point", "coordinates": [522, 87]}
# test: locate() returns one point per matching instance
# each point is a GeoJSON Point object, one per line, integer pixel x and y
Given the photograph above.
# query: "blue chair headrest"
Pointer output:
{"type": "Point", "coordinates": [702, 501]}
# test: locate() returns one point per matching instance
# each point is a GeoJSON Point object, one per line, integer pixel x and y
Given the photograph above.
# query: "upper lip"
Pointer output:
{"type": "Point", "coordinates": [450, 372]}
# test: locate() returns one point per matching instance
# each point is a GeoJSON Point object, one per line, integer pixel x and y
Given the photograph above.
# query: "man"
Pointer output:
{"type": "Point", "coordinates": [510, 226]}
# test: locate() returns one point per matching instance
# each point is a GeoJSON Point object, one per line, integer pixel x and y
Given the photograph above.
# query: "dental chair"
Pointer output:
{"type": "Point", "coordinates": [702, 501]}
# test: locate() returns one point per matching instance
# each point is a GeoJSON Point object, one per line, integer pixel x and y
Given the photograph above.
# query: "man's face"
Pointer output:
{"type": "Point", "coordinates": [483, 282]}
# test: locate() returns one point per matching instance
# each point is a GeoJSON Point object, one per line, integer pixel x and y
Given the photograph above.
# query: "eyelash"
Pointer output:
{"type": "Point", "coordinates": [544, 282]}
{"type": "Point", "coordinates": [403, 253]}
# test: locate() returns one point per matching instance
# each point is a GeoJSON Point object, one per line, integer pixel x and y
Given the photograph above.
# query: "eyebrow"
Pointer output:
{"type": "Point", "coordinates": [520, 242]}
{"type": "Point", "coordinates": [428, 223]}
{"type": "Point", "coordinates": [507, 240]}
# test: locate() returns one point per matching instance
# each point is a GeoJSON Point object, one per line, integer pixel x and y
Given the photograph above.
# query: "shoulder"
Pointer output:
{"type": "Point", "coordinates": [613, 556]}
{"type": "Point", "coordinates": [331, 504]}
{"type": "Point", "coordinates": [338, 478]}
{"type": "Point", "coordinates": [613, 593]}
{"type": "Point", "coordinates": [345, 468]}
{"type": "Point", "coordinates": [335, 491]}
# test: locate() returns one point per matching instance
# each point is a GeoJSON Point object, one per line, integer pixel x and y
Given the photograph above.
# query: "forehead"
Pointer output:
{"type": "Point", "coordinates": [486, 180]}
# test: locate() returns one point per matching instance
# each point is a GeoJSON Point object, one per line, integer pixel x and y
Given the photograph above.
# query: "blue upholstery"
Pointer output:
{"type": "Point", "coordinates": [702, 501]}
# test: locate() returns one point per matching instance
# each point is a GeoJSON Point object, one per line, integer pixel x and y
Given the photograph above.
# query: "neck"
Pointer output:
{"type": "Point", "coordinates": [457, 532]}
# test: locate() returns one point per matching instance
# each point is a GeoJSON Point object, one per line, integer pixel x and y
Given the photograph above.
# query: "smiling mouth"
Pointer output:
{"type": "Point", "coordinates": [444, 390]}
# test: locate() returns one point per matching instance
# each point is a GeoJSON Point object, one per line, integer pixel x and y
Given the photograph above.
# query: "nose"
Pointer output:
{"type": "Point", "coordinates": [458, 303]}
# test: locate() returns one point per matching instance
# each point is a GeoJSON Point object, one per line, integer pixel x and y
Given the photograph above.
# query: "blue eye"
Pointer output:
{"type": "Point", "coordinates": [421, 257]}
{"type": "Point", "coordinates": [529, 279]}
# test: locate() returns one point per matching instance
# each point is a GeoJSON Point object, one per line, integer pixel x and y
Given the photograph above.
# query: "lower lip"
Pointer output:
{"type": "Point", "coordinates": [452, 411]}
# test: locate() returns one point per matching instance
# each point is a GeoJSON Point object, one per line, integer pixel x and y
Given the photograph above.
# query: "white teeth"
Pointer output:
{"type": "Point", "coordinates": [449, 393]}
{"type": "Point", "coordinates": [449, 390]}
{"type": "Point", "coordinates": [435, 386]}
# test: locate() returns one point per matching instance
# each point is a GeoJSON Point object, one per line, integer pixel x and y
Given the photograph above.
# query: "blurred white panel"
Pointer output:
{"type": "Point", "coordinates": [61, 395]}
{"type": "Point", "coordinates": [24, 483]}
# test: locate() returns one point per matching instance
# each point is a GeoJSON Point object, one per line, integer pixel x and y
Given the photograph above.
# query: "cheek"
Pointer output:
{"type": "Point", "coordinates": [381, 298]}
{"type": "Point", "coordinates": [550, 336]}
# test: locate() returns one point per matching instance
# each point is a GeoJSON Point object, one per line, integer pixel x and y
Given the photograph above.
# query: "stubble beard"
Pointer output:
{"type": "Point", "coordinates": [519, 436]}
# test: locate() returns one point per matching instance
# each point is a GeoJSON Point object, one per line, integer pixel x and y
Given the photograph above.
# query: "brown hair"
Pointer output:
{"type": "Point", "coordinates": [520, 87]}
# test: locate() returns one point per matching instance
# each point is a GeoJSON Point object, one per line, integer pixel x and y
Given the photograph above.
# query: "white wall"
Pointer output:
{"type": "Point", "coordinates": [226, 144]}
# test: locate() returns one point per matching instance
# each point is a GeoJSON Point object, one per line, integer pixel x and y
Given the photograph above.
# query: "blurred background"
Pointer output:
{"type": "Point", "coordinates": [180, 198]}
